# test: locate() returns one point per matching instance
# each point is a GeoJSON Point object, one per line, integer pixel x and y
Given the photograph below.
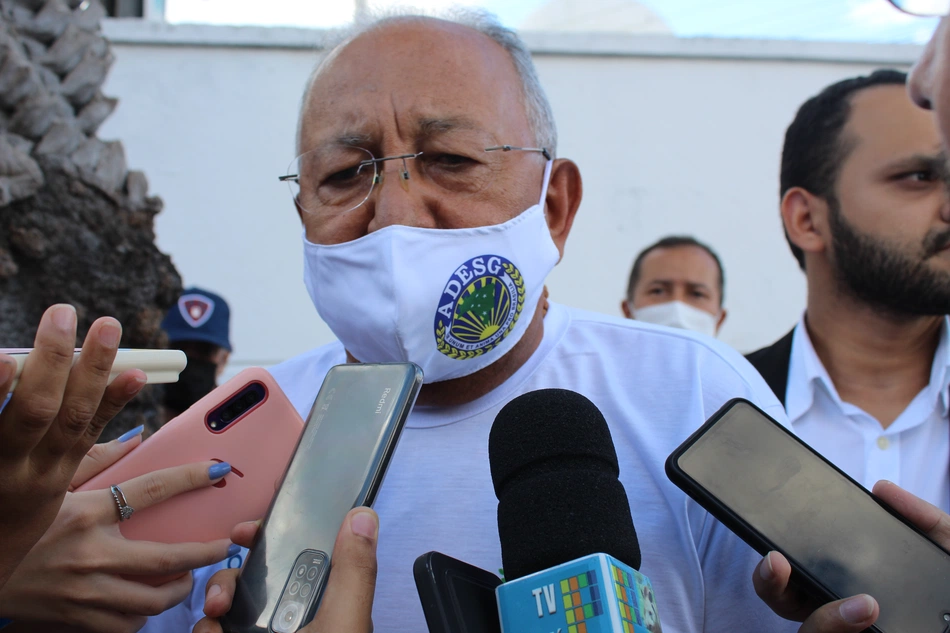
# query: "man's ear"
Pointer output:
{"type": "Point", "coordinates": [722, 319]}
{"type": "Point", "coordinates": [625, 308]}
{"type": "Point", "coordinates": [805, 217]}
{"type": "Point", "coordinates": [563, 199]}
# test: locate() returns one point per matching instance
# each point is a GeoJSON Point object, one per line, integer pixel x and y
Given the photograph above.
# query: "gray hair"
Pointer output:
{"type": "Point", "coordinates": [537, 107]}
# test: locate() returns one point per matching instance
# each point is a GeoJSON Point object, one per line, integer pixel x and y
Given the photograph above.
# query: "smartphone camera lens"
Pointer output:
{"type": "Point", "coordinates": [312, 573]}
{"type": "Point", "coordinates": [288, 618]}
{"type": "Point", "coordinates": [301, 571]}
{"type": "Point", "coordinates": [226, 415]}
{"type": "Point", "coordinates": [305, 590]}
{"type": "Point", "coordinates": [250, 398]}
{"type": "Point", "coordinates": [294, 588]}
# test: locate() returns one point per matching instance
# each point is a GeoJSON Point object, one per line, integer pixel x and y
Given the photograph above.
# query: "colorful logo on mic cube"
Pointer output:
{"type": "Point", "coordinates": [594, 594]}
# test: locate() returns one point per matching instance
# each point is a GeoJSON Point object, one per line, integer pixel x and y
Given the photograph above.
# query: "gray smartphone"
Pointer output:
{"type": "Point", "coordinates": [339, 463]}
{"type": "Point", "coordinates": [777, 493]}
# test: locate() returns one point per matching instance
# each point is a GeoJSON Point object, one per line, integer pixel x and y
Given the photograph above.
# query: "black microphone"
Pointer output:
{"type": "Point", "coordinates": [569, 549]}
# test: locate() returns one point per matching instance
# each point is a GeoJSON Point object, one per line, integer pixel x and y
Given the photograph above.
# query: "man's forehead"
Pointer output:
{"type": "Point", "coordinates": [682, 255]}
{"type": "Point", "coordinates": [681, 264]}
{"type": "Point", "coordinates": [884, 119]}
{"type": "Point", "coordinates": [362, 131]}
{"type": "Point", "coordinates": [438, 75]}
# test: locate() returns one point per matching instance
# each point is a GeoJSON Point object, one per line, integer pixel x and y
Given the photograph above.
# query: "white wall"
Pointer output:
{"type": "Point", "coordinates": [672, 136]}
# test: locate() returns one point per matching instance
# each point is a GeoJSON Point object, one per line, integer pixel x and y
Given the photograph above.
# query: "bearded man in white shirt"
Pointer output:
{"type": "Point", "coordinates": [864, 375]}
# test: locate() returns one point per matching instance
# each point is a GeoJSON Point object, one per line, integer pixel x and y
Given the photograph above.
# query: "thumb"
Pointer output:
{"type": "Point", "coordinates": [852, 615]}
{"type": "Point", "coordinates": [347, 603]}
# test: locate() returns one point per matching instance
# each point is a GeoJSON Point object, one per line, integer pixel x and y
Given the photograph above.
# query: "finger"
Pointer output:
{"type": "Point", "coordinates": [87, 382]}
{"type": "Point", "coordinates": [347, 603]}
{"type": "Point", "coordinates": [928, 518]}
{"type": "Point", "coordinates": [852, 615]}
{"type": "Point", "coordinates": [146, 558]}
{"type": "Point", "coordinates": [157, 486]}
{"type": "Point", "coordinates": [207, 625]}
{"type": "Point", "coordinates": [39, 393]}
{"type": "Point", "coordinates": [243, 533]}
{"type": "Point", "coordinates": [7, 372]}
{"type": "Point", "coordinates": [106, 620]}
{"type": "Point", "coordinates": [113, 593]}
{"type": "Point", "coordinates": [771, 581]}
{"type": "Point", "coordinates": [220, 592]}
{"type": "Point", "coordinates": [123, 389]}
{"type": "Point", "coordinates": [101, 456]}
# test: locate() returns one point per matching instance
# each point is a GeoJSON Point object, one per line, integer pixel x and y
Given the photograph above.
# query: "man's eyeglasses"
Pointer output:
{"type": "Point", "coordinates": [925, 8]}
{"type": "Point", "coordinates": [336, 179]}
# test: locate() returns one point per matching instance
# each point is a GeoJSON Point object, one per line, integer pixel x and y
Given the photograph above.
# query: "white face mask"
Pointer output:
{"type": "Point", "coordinates": [680, 315]}
{"type": "Point", "coordinates": [453, 301]}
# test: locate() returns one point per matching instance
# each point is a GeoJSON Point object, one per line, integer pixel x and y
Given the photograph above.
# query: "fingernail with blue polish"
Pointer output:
{"type": "Point", "coordinates": [219, 470]}
{"type": "Point", "coordinates": [128, 435]}
{"type": "Point", "coordinates": [234, 550]}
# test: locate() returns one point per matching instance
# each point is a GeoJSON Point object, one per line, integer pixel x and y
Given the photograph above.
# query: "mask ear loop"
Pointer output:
{"type": "Point", "coordinates": [547, 179]}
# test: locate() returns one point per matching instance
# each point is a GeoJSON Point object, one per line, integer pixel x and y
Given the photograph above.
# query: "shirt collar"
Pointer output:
{"type": "Point", "coordinates": [806, 373]}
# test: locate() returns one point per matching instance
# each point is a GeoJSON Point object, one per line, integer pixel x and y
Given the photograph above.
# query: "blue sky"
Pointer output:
{"type": "Point", "coordinates": [834, 20]}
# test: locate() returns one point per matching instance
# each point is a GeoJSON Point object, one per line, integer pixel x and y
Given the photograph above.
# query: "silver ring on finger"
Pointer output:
{"type": "Point", "coordinates": [125, 510]}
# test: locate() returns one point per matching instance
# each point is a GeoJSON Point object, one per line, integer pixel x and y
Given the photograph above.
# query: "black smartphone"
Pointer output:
{"type": "Point", "coordinates": [456, 597]}
{"type": "Point", "coordinates": [777, 493]}
{"type": "Point", "coordinates": [339, 463]}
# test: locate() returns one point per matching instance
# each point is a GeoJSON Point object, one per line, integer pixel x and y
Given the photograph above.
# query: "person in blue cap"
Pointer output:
{"type": "Point", "coordinates": [199, 325]}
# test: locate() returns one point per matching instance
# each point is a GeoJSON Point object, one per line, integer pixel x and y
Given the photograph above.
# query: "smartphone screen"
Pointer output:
{"type": "Point", "coordinates": [778, 493]}
{"type": "Point", "coordinates": [339, 464]}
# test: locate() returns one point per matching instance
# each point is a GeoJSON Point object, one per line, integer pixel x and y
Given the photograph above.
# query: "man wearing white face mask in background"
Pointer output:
{"type": "Point", "coordinates": [678, 282]}
{"type": "Point", "coordinates": [434, 207]}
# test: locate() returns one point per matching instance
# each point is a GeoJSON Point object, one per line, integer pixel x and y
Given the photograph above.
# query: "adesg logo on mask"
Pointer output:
{"type": "Point", "coordinates": [479, 307]}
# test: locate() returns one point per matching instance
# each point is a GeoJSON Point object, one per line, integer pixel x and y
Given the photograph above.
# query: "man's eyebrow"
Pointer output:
{"type": "Point", "coordinates": [935, 162]}
{"type": "Point", "coordinates": [436, 126]}
{"type": "Point", "coordinates": [351, 139]}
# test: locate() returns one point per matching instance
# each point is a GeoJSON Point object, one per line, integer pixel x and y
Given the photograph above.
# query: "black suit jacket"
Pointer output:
{"type": "Point", "coordinates": [772, 362]}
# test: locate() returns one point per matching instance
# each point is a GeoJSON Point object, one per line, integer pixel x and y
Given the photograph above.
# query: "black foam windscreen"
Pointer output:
{"type": "Point", "coordinates": [554, 469]}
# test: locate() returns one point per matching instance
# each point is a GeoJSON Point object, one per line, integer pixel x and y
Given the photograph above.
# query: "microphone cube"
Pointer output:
{"type": "Point", "coordinates": [593, 594]}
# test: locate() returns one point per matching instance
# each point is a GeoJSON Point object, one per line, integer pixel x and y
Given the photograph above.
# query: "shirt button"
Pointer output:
{"type": "Point", "coordinates": [883, 443]}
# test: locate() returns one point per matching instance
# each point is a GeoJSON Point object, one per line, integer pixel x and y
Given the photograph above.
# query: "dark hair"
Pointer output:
{"type": "Point", "coordinates": [674, 241]}
{"type": "Point", "coordinates": [814, 150]}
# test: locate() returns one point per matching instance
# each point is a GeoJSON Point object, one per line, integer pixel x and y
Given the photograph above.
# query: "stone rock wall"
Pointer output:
{"type": "Point", "coordinates": [75, 225]}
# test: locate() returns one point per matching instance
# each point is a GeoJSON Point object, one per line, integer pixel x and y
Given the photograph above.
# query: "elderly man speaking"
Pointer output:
{"type": "Point", "coordinates": [434, 208]}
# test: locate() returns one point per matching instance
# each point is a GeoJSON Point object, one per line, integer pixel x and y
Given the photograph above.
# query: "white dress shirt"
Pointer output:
{"type": "Point", "coordinates": [913, 452]}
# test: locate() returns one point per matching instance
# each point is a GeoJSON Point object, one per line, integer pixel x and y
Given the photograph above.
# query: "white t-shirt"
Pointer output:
{"type": "Point", "coordinates": [654, 386]}
{"type": "Point", "coordinates": [913, 452]}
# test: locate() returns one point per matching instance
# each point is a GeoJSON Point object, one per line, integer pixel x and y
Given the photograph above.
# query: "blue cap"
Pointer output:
{"type": "Point", "coordinates": [199, 315]}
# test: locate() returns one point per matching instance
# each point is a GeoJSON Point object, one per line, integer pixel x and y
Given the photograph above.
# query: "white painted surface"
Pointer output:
{"type": "Point", "coordinates": [671, 136]}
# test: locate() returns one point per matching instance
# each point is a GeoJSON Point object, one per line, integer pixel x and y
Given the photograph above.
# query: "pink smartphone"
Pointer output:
{"type": "Point", "coordinates": [247, 422]}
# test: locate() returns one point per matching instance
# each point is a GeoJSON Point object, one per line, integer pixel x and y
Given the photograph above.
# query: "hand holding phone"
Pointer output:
{"type": "Point", "coordinates": [248, 423]}
{"type": "Point", "coordinates": [777, 493]}
{"type": "Point", "coordinates": [348, 603]}
{"type": "Point", "coordinates": [42, 446]}
{"type": "Point", "coordinates": [350, 436]}
{"type": "Point", "coordinates": [82, 574]}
